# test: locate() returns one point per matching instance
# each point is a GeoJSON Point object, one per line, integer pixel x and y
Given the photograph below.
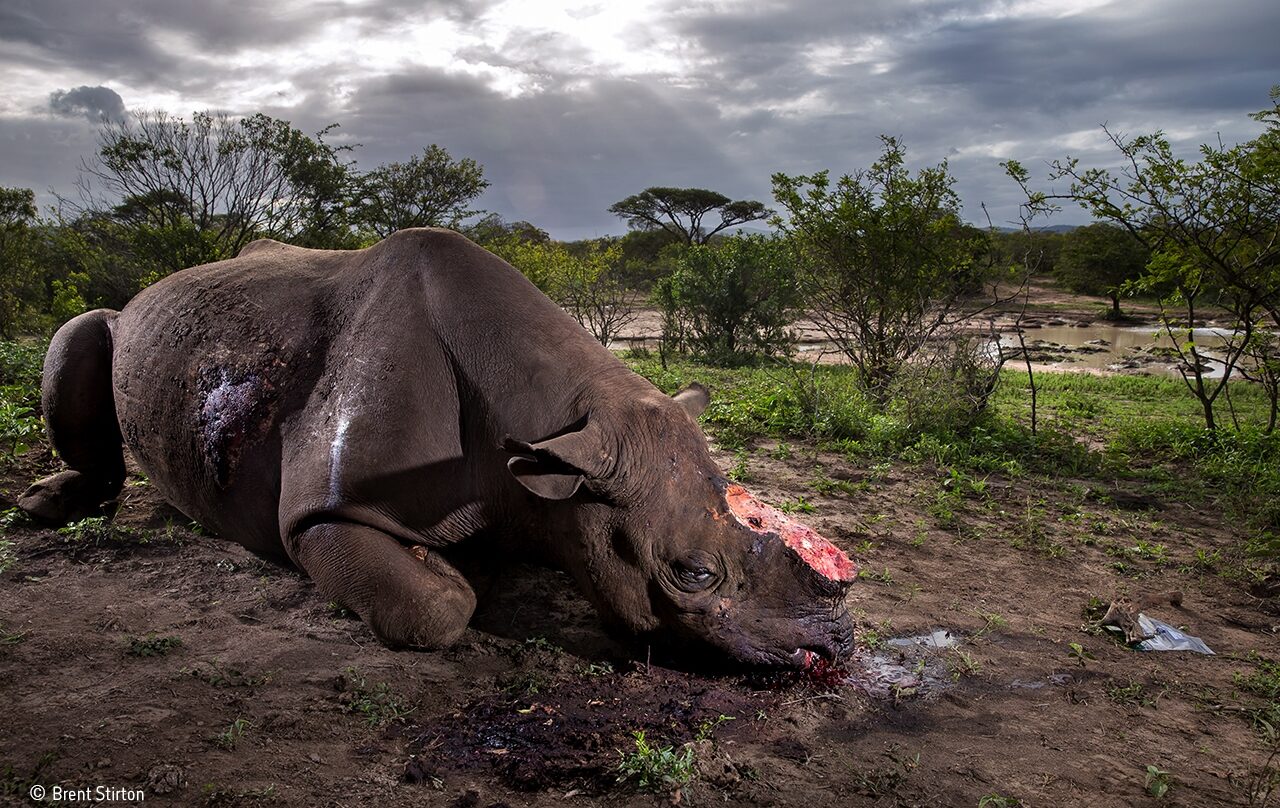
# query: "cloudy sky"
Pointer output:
{"type": "Point", "coordinates": [571, 106]}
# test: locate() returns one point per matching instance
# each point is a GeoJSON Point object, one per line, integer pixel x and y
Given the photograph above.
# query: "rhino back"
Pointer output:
{"type": "Point", "coordinates": [215, 364]}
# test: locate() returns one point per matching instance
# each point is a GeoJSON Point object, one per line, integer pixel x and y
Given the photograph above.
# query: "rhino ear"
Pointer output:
{"type": "Point", "coordinates": [554, 468]}
{"type": "Point", "coordinates": [693, 398]}
{"type": "Point", "coordinates": [538, 480]}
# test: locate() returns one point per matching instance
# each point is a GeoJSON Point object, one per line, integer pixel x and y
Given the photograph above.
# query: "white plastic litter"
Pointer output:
{"type": "Point", "coordinates": [1164, 637]}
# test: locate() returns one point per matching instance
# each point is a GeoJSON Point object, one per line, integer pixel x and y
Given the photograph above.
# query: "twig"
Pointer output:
{"type": "Point", "coordinates": [817, 697]}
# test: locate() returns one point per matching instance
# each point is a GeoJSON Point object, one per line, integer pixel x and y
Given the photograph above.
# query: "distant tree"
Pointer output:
{"type": "Point", "coordinates": [1040, 248]}
{"type": "Point", "coordinates": [681, 211]}
{"type": "Point", "coordinates": [1099, 260]}
{"type": "Point", "coordinates": [887, 265]}
{"type": "Point", "coordinates": [732, 300]}
{"type": "Point", "coordinates": [92, 253]}
{"type": "Point", "coordinates": [544, 263]}
{"type": "Point", "coordinates": [324, 182]}
{"type": "Point", "coordinates": [17, 270]}
{"type": "Point", "coordinates": [649, 255]}
{"type": "Point", "coordinates": [582, 280]}
{"type": "Point", "coordinates": [592, 291]}
{"type": "Point", "coordinates": [493, 228]}
{"type": "Point", "coordinates": [427, 190]}
{"type": "Point", "coordinates": [188, 192]}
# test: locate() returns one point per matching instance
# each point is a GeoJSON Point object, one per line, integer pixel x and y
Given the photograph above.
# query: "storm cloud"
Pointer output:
{"type": "Point", "coordinates": [96, 104]}
{"type": "Point", "coordinates": [572, 106]}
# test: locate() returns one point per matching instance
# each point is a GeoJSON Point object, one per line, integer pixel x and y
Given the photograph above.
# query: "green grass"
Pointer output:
{"type": "Point", "coordinates": [230, 738]}
{"type": "Point", "coordinates": [1263, 680]}
{"type": "Point", "coordinates": [103, 531]}
{"type": "Point", "coordinates": [1144, 431]}
{"type": "Point", "coordinates": [375, 702]}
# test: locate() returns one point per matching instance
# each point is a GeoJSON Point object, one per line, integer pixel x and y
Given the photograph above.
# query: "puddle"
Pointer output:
{"type": "Point", "coordinates": [938, 638]}
{"type": "Point", "coordinates": [1052, 680]}
{"type": "Point", "coordinates": [907, 667]}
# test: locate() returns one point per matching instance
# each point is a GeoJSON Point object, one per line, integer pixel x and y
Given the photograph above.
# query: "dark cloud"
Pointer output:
{"type": "Point", "coordinates": [792, 86]}
{"type": "Point", "coordinates": [96, 104]}
{"type": "Point", "coordinates": [126, 37]}
{"type": "Point", "coordinates": [43, 153]}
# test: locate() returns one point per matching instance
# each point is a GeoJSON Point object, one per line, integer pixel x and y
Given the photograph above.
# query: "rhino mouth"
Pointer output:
{"type": "Point", "coordinates": [831, 645]}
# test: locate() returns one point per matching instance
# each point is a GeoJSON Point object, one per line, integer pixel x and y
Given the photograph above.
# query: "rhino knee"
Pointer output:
{"type": "Point", "coordinates": [410, 598]}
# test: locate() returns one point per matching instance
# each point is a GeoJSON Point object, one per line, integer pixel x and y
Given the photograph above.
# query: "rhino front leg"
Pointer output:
{"type": "Point", "coordinates": [412, 598]}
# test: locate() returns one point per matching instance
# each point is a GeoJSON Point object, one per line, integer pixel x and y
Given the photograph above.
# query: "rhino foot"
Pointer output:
{"type": "Point", "coordinates": [67, 496]}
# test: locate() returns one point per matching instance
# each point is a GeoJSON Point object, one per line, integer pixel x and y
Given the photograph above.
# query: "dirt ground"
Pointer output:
{"type": "Point", "coordinates": [274, 697]}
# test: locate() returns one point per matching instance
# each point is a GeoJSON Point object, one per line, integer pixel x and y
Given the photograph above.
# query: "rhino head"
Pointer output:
{"type": "Point", "coordinates": [666, 547]}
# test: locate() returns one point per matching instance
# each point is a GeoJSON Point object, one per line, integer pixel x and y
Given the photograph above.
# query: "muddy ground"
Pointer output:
{"type": "Point", "coordinates": [270, 696]}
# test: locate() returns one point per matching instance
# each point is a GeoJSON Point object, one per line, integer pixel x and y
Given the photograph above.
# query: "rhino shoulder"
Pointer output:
{"type": "Point", "coordinates": [263, 245]}
{"type": "Point", "coordinates": [434, 239]}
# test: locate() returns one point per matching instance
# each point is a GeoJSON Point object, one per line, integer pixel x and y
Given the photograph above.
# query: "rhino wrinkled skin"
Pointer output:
{"type": "Point", "coordinates": [369, 413]}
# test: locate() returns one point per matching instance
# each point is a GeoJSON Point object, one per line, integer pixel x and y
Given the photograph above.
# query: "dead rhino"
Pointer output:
{"type": "Point", "coordinates": [368, 413]}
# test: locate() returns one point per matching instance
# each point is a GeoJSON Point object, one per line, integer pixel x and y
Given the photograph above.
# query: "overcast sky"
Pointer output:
{"type": "Point", "coordinates": [571, 106]}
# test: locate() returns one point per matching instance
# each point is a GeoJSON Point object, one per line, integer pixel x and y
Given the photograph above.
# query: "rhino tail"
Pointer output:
{"type": "Point", "coordinates": [80, 416]}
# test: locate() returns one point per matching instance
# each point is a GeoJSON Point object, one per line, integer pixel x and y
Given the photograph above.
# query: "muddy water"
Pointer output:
{"type": "Point", "coordinates": [905, 667]}
{"type": "Point", "coordinates": [1115, 348]}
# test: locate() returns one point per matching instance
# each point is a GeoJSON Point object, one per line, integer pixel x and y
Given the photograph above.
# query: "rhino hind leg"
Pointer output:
{"type": "Point", "coordinates": [80, 413]}
{"type": "Point", "coordinates": [409, 598]}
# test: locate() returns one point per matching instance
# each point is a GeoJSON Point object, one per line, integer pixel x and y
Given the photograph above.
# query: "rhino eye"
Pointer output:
{"type": "Point", "coordinates": [693, 576]}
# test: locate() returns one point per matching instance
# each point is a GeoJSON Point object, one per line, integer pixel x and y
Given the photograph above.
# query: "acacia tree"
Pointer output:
{"type": "Point", "coordinates": [885, 260]}
{"type": "Point", "coordinates": [427, 190]}
{"type": "Point", "coordinates": [1212, 227]}
{"type": "Point", "coordinates": [1099, 260]}
{"type": "Point", "coordinates": [681, 211]}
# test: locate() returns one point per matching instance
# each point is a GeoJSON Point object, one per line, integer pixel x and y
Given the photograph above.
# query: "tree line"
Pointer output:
{"type": "Point", "coordinates": [880, 258]}
{"type": "Point", "coordinates": [163, 193]}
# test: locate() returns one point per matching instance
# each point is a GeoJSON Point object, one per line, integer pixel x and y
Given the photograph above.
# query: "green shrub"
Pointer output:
{"type": "Point", "coordinates": [19, 429]}
{"type": "Point", "coordinates": [656, 768]}
{"type": "Point", "coordinates": [20, 366]}
{"type": "Point", "coordinates": [152, 645]}
{"type": "Point", "coordinates": [732, 300]}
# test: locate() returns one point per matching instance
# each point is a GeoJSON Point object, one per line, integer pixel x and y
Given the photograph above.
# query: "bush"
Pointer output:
{"type": "Point", "coordinates": [731, 301]}
{"type": "Point", "coordinates": [949, 391]}
{"type": "Point", "coordinates": [584, 281]}
{"type": "Point", "coordinates": [20, 365]}
{"type": "Point", "coordinates": [887, 264]}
